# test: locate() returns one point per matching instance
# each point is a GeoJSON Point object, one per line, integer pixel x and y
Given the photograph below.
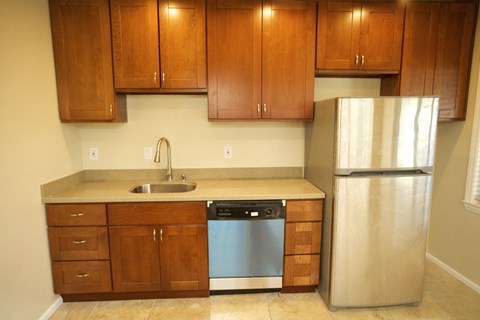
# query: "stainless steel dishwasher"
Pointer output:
{"type": "Point", "coordinates": [245, 244]}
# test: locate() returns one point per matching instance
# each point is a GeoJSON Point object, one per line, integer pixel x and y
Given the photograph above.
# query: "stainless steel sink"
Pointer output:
{"type": "Point", "coordinates": [164, 187]}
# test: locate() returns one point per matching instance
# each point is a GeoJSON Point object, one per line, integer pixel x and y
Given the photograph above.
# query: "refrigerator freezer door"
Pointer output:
{"type": "Point", "coordinates": [378, 240]}
{"type": "Point", "coordinates": [388, 133]}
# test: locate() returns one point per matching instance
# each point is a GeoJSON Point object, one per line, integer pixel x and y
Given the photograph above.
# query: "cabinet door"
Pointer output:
{"type": "Point", "coordinates": [83, 61]}
{"type": "Point", "coordinates": [288, 59]}
{"type": "Point", "coordinates": [234, 42]}
{"type": "Point", "coordinates": [419, 47]}
{"type": "Point", "coordinates": [135, 258]}
{"type": "Point", "coordinates": [184, 256]}
{"type": "Point", "coordinates": [338, 34]}
{"type": "Point", "coordinates": [182, 41]}
{"type": "Point", "coordinates": [381, 36]}
{"type": "Point", "coordinates": [135, 43]}
{"type": "Point", "coordinates": [453, 58]}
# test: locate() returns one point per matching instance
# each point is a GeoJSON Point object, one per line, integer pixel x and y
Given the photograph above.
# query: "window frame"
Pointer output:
{"type": "Point", "coordinates": [473, 172]}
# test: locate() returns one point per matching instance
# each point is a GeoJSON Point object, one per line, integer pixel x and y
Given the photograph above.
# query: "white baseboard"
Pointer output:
{"type": "Point", "coordinates": [53, 307]}
{"type": "Point", "coordinates": [454, 273]}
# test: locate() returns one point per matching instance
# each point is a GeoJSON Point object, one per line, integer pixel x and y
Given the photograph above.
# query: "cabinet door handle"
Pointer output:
{"type": "Point", "coordinates": [155, 235]}
{"type": "Point", "coordinates": [264, 108]}
{"type": "Point", "coordinates": [111, 109]}
{"type": "Point", "coordinates": [161, 234]}
{"type": "Point", "coordinates": [163, 78]}
{"type": "Point", "coordinates": [155, 77]}
{"type": "Point", "coordinates": [363, 60]}
{"type": "Point", "coordinates": [356, 60]}
{"type": "Point", "coordinates": [79, 214]}
{"type": "Point", "coordinates": [258, 109]}
{"type": "Point", "coordinates": [79, 241]}
{"type": "Point", "coordinates": [82, 275]}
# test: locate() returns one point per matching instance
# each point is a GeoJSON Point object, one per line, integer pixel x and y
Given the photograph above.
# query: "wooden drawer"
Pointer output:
{"type": "Point", "coordinates": [301, 270]}
{"type": "Point", "coordinates": [303, 237]}
{"type": "Point", "coordinates": [78, 243]}
{"type": "Point", "coordinates": [157, 213]}
{"type": "Point", "coordinates": [304, 210]}
{"type": "Point", "coordinates": [81, 277]}
{"type": "Point", "coordinates": [76, 214]}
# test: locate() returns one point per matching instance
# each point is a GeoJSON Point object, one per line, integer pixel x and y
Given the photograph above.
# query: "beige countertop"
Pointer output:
{"type": "Point", "coordinates": [117, 190]}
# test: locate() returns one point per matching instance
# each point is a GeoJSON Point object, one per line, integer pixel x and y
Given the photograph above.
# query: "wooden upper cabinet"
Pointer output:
{"type": "Point", "coordinates": [437, 54]}
{"type": "Point", "coordinates": [360, 36]}
{"type": "Point", "coordinates": [234, 42]}
{"type": "Point", "coordinates": [183, 44]}
{"type": "Point", "coordinates": [147, 32]}
{"type": "Point", "coordinates": [135, 43]}
{"type": "Point", "coordinates": [456, 31]}
{"type": "Point", "coordinates": [288, 59]}
{"type": "Point", "coordinates": [260, 59]}
{"type": "Point", "coordinates": [83, 61]}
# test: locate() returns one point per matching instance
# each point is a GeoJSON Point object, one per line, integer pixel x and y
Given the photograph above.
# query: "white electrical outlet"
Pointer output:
{"type": "Point", "coordinates": [147, 153]}
{"type": "Point", "coordinates": [227, 152]}
{"type": "Point", "coordinates": [93, 153]}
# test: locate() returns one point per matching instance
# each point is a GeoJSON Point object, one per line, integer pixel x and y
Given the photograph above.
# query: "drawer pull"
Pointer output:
{"type": "Point", "coordinates": [79, 241]}
{"type": "Point", "coordinates": [80, 214]}
{"type": "Point", "coordinates": [82, 275]}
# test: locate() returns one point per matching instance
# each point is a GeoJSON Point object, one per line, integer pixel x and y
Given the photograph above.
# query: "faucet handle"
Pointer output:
{"type": "Point", "coordinates": [184, 177]}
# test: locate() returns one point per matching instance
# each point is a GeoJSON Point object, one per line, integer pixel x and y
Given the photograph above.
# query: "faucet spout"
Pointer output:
{"type": "Point", "coordinates": [169, 172]}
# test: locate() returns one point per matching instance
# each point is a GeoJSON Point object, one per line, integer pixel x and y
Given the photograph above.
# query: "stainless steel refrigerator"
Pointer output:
{"type": "Point", "coordinates": [373, 157]}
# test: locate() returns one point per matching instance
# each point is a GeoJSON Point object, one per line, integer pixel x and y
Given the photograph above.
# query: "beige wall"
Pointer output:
{"type": "Point", "coordinates": [454, 235]}
{"type": "Point", "coordinates": [197, 143]}
{"type": "Point", "coordinates": [35, 148]}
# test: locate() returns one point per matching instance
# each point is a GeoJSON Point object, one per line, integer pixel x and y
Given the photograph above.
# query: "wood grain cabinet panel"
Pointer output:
{"type": "Point", "coordinates": [81, 277]}
{"type": "Point", "coordinates": [184, 257]}
{"type": "Point", "coordinates": [76, 214]}
{"type": "Point", "coordinates": [359, 36]}
{"type": "Point", "coordinates": [135, 258]}
{"type": "Point", "coordinates": [303, 237]}
{"type": "Point", "coordinates": [78, 243]}
{"type": "Point", "coordinates": [183, 44]}
{"type": "Point", "coordinates": [79, 248]}
{"type": "Point", "coordinates": [159, 44]}
{"type": "Point", "coordinates": [303, 233]}
{"type": "Point", "coordinates": [173, 241]}
{"type": "Point", "coordinates": [83, 62]}
{"type": "Point", "coordinates": [437, 53]}
{"type": "Point", "coordinates": [260, 59]}
{"type": "Point", "coordinates": [301, 270]}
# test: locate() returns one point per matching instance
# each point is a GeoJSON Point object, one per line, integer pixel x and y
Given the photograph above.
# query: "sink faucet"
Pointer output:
{"type": "Point", "coordinates": [169, 172]}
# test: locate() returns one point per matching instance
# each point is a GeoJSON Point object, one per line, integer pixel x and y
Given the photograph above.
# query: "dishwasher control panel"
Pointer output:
{"type": "Point", "coordinates": [246, 210]}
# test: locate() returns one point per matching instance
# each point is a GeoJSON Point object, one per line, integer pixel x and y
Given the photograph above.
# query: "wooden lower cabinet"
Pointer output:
{"type": "Point", "coordinates": [158, 246]}
{"type": "Point", "coordinates": [78, 240]}
{"type": "Point", "coordinates": [151, 258]}
{"type": "Point", "coordinates": [303, 233]}
{"type": "Point", "coordinates": [141, 250]}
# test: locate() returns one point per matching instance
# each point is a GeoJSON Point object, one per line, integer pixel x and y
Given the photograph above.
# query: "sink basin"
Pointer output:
{"type": "Point", "coordinates": [164, 187]}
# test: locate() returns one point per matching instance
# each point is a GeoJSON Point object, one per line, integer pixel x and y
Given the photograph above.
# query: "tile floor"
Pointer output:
{"type": "Point", "coordinates": [444, 298]}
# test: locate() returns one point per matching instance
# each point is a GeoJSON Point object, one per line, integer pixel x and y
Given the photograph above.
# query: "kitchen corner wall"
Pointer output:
{"type": "Point", "coordinates": [454, 236]}
{"type": "Point", "coordinates": [198, 143]}
{"type": "Point", "coordinates": [35, 148]}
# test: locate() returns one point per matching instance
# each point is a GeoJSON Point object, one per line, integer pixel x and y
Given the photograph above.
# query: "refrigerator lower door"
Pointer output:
{"type": "Point", "coordinates": [379, 234]}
